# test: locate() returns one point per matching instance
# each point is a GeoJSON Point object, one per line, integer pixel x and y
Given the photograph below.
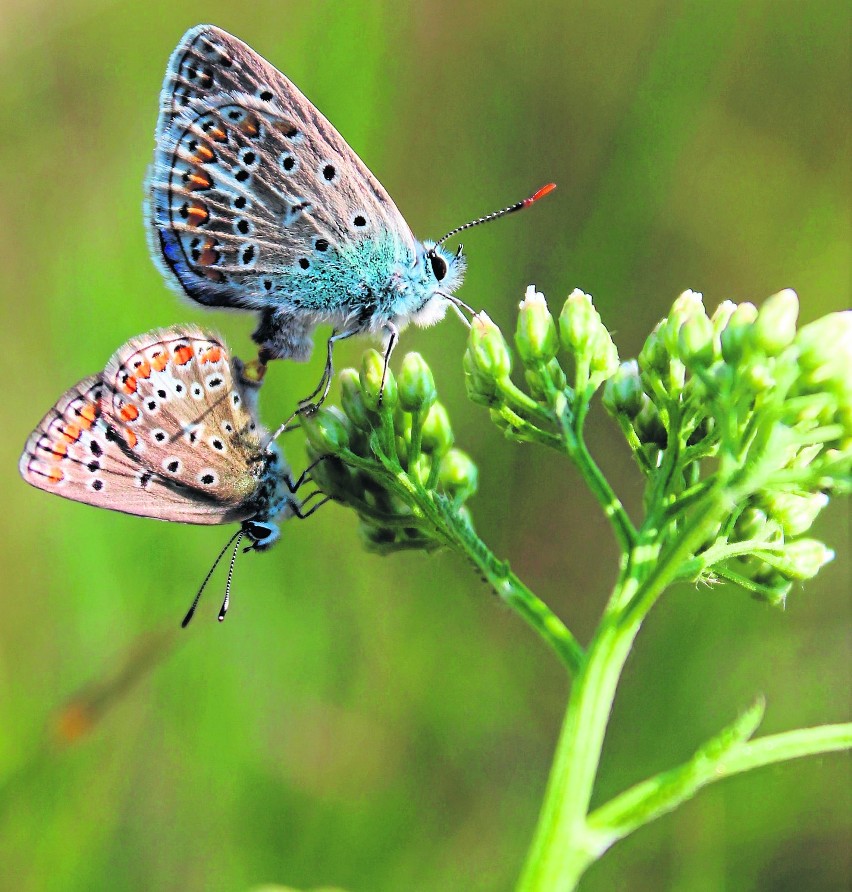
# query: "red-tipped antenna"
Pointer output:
{"type": "Point", "coordinates": [502, 213]}
{"type": "Point", "coordinates": [540, 194]}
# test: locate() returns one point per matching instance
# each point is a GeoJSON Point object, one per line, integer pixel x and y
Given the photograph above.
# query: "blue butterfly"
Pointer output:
{"type": "Point", "coordinates": [256, 202]}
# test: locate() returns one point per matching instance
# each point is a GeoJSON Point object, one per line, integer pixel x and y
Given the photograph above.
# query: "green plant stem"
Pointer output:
{"type": "Point", "coordinates": [641, 803]}
{"type": "Point", "coordinates": [708, 513]}
{"type": "Point", "coordinates": [562, 848]}
{"type": "Point", "coordinates": [786, 746]}
{"type": "Point", "coordinates": [506, 584]}
{"type": "Point", "coordinates": [575, 446]}
{"type": "Point", "coordinates": [439, 516]}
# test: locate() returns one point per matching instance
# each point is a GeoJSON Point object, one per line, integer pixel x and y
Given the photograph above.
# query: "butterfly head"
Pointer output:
{"type": "Point", "coordinates": [273, 501]}
{"type": "Point", "coordinates": [263, 534]}
{"type": "Point", "coordinates": [441, 273]}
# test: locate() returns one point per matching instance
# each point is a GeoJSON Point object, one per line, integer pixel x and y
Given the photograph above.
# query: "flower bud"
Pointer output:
{"type": "Point", "coordinates": [719, 319]}
{"type": "Point", "coordinates": [352, 401]}
{"type": "Point", "coordinates": [377, 538]}
{"type": "Point", "coordinates": [336, 479]}
{"type": "Point", "coordinates": [544, 380]}
{"type": "Point", "coordinates": [556, 375]}
{"type": "Point", "coordinates": [488, 350]}
{"type": "Point", "coordinates": [774, 588]}
{"type": "Point", "coordinates": [437, 431]}
{"type": "Point", "coordinates": [825, 356]}
{"type": "Point", "coordinates": [759, 376]}
{"type": "Point", "coordinates": [695, 341]}
{"type": "Point", "coordinates": [688, 304]}
{"type": "Point", "coordinates": [372, 370]}
{"type": "Point", "coordinates": [795, 513]}
{"type": "Point", "coordinates": [603, 362]}
{"type": "Point", "coordinates": [751, 524]}
{"type": "Point", "coordinates": [804, 558]}
{"type": "Point", "coordinates": [824, 339]}
{"type": "Point", "coordinates": [579, 323]}
{"type": "Point", "coordinates": [480, 390]}
{"type": "Point", "coordinates": [535, 337]}
{"type": "Point", "coordinates": [416, 384]}
{"type": "Point", "coordinates": [736, 332]}
{"type": "Point", "coordinates": [775, 326]}
{"type": "Point", "coordinates": [649, 426]}
{"type": "Point", "coordinates": [653, 357]}
{"type": "Point", "coordinates": [325, 431]}
{"type": "Point", "coordinates": [420, 469]}
{"type": "Point", "coordinates": [623, 392]}
{"type": "Point", "coordinates": [459, 475]}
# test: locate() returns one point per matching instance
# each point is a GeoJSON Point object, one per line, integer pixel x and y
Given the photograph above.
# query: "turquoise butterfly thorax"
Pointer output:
{"type": "Point", "coordinates": [256, 202]}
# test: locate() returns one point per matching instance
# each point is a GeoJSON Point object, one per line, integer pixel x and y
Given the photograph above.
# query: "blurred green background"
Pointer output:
{"type": "Point", "coordinates": [384, 723]}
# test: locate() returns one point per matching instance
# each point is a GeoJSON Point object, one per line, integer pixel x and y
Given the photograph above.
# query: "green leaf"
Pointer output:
{"type": "Point", "coordinates": [661, 794]}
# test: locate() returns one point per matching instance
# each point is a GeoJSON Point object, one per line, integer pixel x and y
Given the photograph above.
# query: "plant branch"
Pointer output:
{"type": "Point", "coordinates": [661, 794]}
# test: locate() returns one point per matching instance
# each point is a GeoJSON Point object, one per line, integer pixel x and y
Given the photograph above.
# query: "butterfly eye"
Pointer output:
{"type": "Point", "coordinates": [439, 266]}
{"type": "Point", "coordinates": [257, 531]}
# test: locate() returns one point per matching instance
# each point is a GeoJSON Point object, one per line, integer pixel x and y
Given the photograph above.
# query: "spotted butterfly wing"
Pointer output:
{"type": "Point", "coordinates": [183, 413]}
{"type": "Point", "coordinates": [256, 201]}
{"type": "Point", "coordinates": [103, 443]}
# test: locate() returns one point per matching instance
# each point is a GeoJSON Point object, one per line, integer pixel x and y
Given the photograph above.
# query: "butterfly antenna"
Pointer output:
{"type": "Point", "coordinates": [191, 612]}
{"type": "Point", "coordinates": [224, 608]}
{"type": "Point", "coordinates": [502, 213]}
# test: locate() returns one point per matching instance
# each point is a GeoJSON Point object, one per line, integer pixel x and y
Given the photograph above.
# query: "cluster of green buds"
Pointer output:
{"type": "Point", "coordinates": [388, 452]}
{"type": "Point", "coordinates": [771, 405]}
{"type": "Point", "coordinates": [744, 396]}
{"type": "Point", "coordinates": [539, 339]}
{"type": "Point", "coordinates": [740, 401]}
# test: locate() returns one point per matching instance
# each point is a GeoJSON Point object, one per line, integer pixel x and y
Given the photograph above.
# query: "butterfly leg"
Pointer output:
{"type": "Point", "coordinates": [393, 337]}
{"type": "Point", "coordinates": [324, 386]}
{"type": "Point", "coordinates": [306, 404]}
{"type": "Point", "coordinates": [304, 515]}
{"type": "Point", "coordinates": [295, 485]}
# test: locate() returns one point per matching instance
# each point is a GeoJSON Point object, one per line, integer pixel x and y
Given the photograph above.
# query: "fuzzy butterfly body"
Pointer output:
{"type": "Point", "coordinates": [169, 430]}
{"type": "Point", "coordinates": [256, 201]}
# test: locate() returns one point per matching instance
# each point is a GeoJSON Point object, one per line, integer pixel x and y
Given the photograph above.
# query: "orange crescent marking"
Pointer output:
{"type": "Point", "coordinates": [72, 433]}
{"type": "Point", "coordinates": [59, 449]}
{"type": "Point", "coordinates": [199, 180]}
{"type": "Point", "coordinates": [203, 154]}
{"type": "Point", "coordinates": [54, 475]}
{"type": "Point", "coordinates": [209, 254]}
{"type": "Point", "coordinates": [198, 213]}
{"type": "Point", "coordinates": [89, 414]}
{"type": "Point", "coordinates": [183, 354]}
{"type": "Point", "coordinates": [130, 438]}
{"type": "Point", "coordinates": [249, 125]}
{"type": "Point", "coordinates": [143, 369]}
{"type": "Point", "coordinates": [160, 360]}
{"type": "Point", "coordinates": [129, 412]}
{"type": "Point", "coordinates": [130, 384]}
{"type": "Point", "coordinates": [213, 354]}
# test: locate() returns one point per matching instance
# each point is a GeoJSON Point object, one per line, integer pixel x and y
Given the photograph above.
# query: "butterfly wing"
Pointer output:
{"type": "Point", "coordinates": [173, 396]}
{"type": "Point", "coordinates": [256, 201]}
{"type": "Point", "coordinates": [77, 453]}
